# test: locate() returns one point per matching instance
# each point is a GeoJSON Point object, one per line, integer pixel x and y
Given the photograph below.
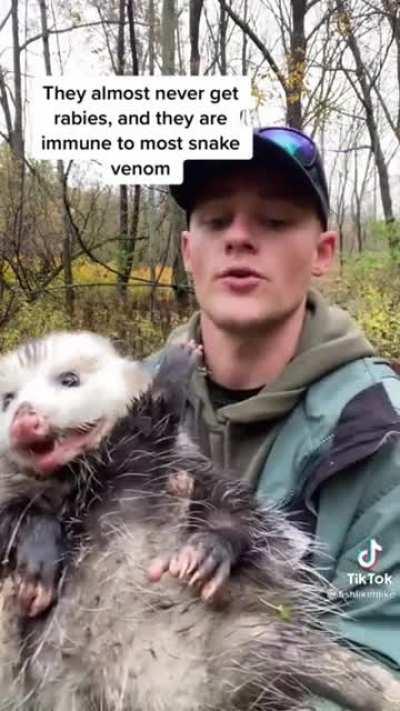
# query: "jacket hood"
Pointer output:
{"type": "Point", "coordinates": [240, 436]}
{"type": "Point", "coordinates": [329, 339]}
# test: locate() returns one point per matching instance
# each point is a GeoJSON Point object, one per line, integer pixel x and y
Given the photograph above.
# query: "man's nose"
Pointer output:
{"type": "Point", "coordinates": [240, 234]}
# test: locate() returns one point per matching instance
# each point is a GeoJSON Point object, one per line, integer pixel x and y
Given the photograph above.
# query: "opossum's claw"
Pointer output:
{"type": "Point", "coordinates": [215, 586]}
{"type": "Point", "coordinates": [210, 563]}
{"type": "Point", "coordinates": [157, 568]}
{"type": "Point", "coordinates": [196, 349]}
{"type": "Point", "coordinates": [33, 597]}
{"type": "Point", "coordinates": [204, 563]}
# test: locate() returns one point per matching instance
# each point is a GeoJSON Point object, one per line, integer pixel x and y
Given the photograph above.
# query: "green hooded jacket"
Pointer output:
{"type": "Point", "coordinates": [323, 441]}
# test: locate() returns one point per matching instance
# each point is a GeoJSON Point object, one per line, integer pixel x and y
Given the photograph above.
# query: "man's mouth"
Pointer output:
{"type": "Point", "coordinates": [59, 447]}
{"type": "Point", "coordinates": [240, 278]}
{"type": "Point", "coordinates": [240, 272]}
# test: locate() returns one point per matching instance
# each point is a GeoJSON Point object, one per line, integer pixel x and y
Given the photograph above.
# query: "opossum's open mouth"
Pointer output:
{"type": "Point", "coordinates": [47, 454]}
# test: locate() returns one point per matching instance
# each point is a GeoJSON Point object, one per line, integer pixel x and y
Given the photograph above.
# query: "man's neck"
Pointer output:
{"type": "Point", "coordinates": [245, 361]}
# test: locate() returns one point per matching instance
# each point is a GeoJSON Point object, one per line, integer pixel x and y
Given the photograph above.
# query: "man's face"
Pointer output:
{"type": "Point", "coordinates": [252, 249]}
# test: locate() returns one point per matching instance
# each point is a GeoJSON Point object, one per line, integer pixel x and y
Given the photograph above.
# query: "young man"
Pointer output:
{"type": "Point", "coordinates": [293, 399]}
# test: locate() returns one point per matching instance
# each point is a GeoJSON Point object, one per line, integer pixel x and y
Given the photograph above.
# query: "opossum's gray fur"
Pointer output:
{"type": "Point", "coordinates": [115, 642]}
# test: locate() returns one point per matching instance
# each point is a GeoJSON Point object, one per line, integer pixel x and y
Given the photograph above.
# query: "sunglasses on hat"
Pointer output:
{"type": "Point", "coordinates": [294, 142]}
{"type": "Point", "coordinates": [270, 143]}
{"type": "Point", "coordinates": [301, 151]}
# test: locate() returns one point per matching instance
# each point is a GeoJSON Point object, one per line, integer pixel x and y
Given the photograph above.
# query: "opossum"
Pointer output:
{"type": "Point", "coordinates": [59, 397]}
{"type": "Point", "coordinates": [65, 395]}
{"type": "Point", "coordinates": [141, 503]}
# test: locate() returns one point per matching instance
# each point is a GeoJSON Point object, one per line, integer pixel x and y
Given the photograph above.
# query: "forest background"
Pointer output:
{"type": "Point", "coordinates": [78, 254]}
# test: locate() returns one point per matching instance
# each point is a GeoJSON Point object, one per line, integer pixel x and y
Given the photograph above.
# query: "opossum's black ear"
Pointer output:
{"type": "Point", "coordinates": [173, 377]}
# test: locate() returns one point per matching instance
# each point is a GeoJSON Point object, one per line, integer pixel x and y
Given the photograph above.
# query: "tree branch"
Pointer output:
{"type": "Point", "coordinates": [84, 25]}
{"type": "Point", "coordinates": [6, 18]}
{"type": "Point", "coordinates": [249, 32]}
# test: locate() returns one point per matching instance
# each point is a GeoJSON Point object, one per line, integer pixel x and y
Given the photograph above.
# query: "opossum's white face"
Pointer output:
{"type": "Point", "coordinates": [60, 396]}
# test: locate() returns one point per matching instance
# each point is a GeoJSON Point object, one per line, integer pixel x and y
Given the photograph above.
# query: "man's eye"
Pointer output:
{"type": "Point", "coordinates": [69, 379]}
{"type": "Point", "coordinates": [217, 223]}
{"type": "Point", "coordinates": [273, 222]}
{"type": "Point", "coordinates": [7, 399]}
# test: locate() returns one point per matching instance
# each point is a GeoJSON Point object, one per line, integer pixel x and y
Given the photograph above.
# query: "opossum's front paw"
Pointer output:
{"type": "Point", "coordinates": [186, 357]}
{"type": "Point", "coordinates": [179, 362]}
{"type": "Point", "coordinates": [204, 563]}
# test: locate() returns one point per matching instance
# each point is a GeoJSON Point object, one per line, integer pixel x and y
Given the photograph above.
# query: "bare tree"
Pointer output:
{"type": "Point", "coordinates": [223, 26]}
{"type": "Point", "coordinates": [389, 11]}
{"type": "Point", "coordinates": [290, 73]}
{"type": "Point", "coordinates": [63, 179]}
{"type": "Point", "coordinates": [194, 29]}
{"type": "Point", "coordinates": [168, 24]}
{"type": "Point", "coordinates": [17, 136]}
{"type": "Point", "coordinates": [128, 227]}
{"type": "Point", "coordinates": [362, 83]}
{"type": "Point", "coordinates": [123, 189]}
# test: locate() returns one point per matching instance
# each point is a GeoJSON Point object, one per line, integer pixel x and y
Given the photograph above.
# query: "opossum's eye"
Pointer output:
{"type": "Point", "coordinates": [69, 380]}
{"type": "Point", "coordinates": [7, 399]}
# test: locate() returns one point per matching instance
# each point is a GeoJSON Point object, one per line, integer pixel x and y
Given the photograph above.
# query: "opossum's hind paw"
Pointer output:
{"type": "Point", "coordinates": [176, 368]}
{"type": "Point", "coordinates": [203, 563]}
{"type": "Point", "coordinates": [33, 598]}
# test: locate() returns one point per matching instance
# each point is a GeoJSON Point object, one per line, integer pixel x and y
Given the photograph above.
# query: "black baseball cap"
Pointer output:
{"type": "Point", "coordinates": [272, 146]}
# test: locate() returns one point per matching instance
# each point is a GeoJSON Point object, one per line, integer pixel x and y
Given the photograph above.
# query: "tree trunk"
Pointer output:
{"type": "Point", "coordinates": [17, 138]}
{"type": "Point", "coordinates": [168, 23]}
{"type": "Point", "coordinates": [68, 231]}
{"type": "Point", "coordinates": [194, 22]}
{"type": "Point", "coordinates": [175, 214]}
{"type": "Point", "coordinates": [17, 187]}
{"type": "Point", "coordinates": [244, 41]}
{"type": "Point", "coordinates": [123, 189]}
{"type": "Point", "coordinates": [150, 212]}
{"type": "Point", "coordinates": [123, 241]}
{"type": "Point", "coordinates": [366, 98]}
{"type": "Point", "coordinates": [152, 24]}
{"type": "Point", "coordinates": [5, 105]}
{"type": "Point", "coordinates": [128, 231]}
{"type": "Point", "coordinates": [296, 65]}
{"type": "Point", "coordinates": [392, 11]}
{"type": "Point", "coordinates": [223, 23]}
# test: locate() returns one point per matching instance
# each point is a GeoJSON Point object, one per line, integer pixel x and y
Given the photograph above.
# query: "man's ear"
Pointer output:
{"type": "Point", "coordinates": [186, 251]}
{"type": "Point", "coordinates": [324, 253]}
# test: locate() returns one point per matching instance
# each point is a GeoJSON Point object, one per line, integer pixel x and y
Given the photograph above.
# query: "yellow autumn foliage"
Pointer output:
{"type": "Point", "coordinates": [32, 320]}
{"type": "Point", "coordinates": [369, 288]}
{"type": "Point", "coordinates": [98, 308]}
{"type": "Point", "coordinates": [88, 272]}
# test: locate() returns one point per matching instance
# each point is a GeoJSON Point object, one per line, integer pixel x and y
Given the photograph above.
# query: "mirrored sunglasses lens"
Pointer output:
{"type": "Point", "coordinates": [296, 145]}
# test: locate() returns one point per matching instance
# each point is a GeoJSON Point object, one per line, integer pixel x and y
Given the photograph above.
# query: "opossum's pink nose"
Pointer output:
{"type": "Point", "coordinates": [28, 426]}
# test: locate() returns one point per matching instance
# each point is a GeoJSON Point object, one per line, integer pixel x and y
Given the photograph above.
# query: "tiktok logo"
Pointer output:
{"type": "Point", "coordinates": [368, 558]}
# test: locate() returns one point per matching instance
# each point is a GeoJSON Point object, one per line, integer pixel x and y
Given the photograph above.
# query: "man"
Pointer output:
{"type": "Point", "coordinates": [293, 399]}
